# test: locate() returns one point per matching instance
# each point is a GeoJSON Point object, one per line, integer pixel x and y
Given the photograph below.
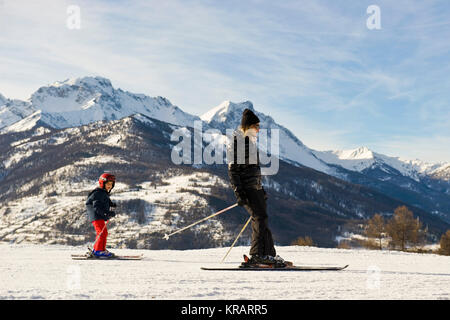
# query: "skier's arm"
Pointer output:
{"type": "Point", "coordinates": [112, 204]}
{"type": "Point", "coordinates": [234, 174]}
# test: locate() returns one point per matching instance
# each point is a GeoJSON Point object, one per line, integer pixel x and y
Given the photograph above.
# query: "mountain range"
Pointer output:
{"type": "Point", "coordinates": [76, 128]}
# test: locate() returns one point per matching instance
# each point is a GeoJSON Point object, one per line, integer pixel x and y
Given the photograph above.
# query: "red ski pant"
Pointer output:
{"type": "Point", "coordinates": [102, 234]}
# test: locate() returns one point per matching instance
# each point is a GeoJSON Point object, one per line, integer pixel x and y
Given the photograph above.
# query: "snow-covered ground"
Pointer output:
{"type": "Point", "coordinates": [47, 272]}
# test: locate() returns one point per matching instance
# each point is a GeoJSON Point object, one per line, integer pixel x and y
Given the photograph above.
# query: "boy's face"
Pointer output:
{"type": "Point", "coordinates": [108, 185]}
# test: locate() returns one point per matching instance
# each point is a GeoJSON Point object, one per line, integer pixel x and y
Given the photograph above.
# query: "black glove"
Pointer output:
{"type": "Point", "coordinates": [111, 214]}
{"type": "Point", "coordinates": [241, 197]}
{"type": "Point", "coordinates": [112, 204]}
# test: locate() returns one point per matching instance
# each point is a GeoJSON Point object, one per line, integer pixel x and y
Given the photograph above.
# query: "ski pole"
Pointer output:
{"type": "Point", "coordinates": [245, 226]}
{"type": "Point", "coordinates": [166, 236]}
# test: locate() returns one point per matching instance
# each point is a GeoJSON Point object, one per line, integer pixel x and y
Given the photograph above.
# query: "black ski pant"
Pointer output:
{"type": "Point", "coordinates": [262, 242]}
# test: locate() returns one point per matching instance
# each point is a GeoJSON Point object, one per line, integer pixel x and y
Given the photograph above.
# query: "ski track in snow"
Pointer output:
{"type": "Point", "coordinates": [48, 272]}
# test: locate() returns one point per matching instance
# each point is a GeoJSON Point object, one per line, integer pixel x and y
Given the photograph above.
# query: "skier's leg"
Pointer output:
{"type": "Point", "coordinates": [257, 210]}
{"type": "Point", "coordinates": [103, 238]}
{"type": "Point", "coordinates": [256, 247]}
{"type": "Point", "coordinates": [99, 226]}
{"type": "Point", "coordinates": [269, 245]}
{"type": "Point", "coordinates": [269, 248]}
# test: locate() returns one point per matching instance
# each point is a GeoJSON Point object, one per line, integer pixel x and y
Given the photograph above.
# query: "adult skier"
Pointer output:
{"type": "Point", "coordinates": [245, 176]}
{"type": "Point", "coordinates": [99, 211]}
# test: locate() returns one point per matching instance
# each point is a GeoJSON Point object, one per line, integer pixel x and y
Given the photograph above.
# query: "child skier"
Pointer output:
{"type": "Point", "coordinates": [98, 206]}
{"type": "Point", "coordinates": [245, 177]}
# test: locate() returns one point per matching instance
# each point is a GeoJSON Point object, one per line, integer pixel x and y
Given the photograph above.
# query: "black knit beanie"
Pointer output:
{"type": "Point", "coordinates": [248, 118]}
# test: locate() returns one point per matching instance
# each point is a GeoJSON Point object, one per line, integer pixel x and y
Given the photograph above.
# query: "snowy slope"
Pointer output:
{"type": "Point", "coordinates": [30, 219]}
{"type": "Point", "coordinates": [227, 116]}
{"type": "Point", "coordinates": [33, 218]}
{"type": "Point", "coordinates": [25, 273]}
{"type": "Point", "coordinates": [12, 111]}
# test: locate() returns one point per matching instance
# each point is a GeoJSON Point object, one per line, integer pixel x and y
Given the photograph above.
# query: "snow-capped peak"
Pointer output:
{"type": "Point", "coordinates": [79, 101]}
{"type": "Point", "coordinates": [363, 158]}
{"type": "Point", "coordinates": [222, 112]}
{"type": "Point", "coordinates": [355, 154]}
{"type": "Point", "coordinates": [71, 94]}
{"type": "Point", "coordinates": [353, 159]}
{"type": "Point", "coordinates": [97, 81]}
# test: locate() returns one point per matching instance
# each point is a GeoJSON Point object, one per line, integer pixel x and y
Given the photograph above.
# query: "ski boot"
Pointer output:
{"type": "Point", "coordinates": [265, 261]}
{"type": "Point", "coordinates": [280, 260]}
{"type": "Point", "coordinates": [103, 254]}
{"type": "Point", "coordinates": [262, 262]}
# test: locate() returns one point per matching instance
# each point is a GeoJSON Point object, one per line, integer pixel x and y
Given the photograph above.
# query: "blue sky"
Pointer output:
{"type": "Point", "coordinates": [314, 66]}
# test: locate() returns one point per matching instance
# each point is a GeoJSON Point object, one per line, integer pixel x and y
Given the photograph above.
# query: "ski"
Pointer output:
{"type": "Point", "coordinates": [89, 256]}
{"type": "Point", "coordinates": [272, 268]}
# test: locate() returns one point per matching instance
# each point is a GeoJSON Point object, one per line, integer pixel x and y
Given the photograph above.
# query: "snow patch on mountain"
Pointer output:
{"type": "Point", "coordinates": [12, 111]}
{"type": "Point", "coordinates": [100, 160]}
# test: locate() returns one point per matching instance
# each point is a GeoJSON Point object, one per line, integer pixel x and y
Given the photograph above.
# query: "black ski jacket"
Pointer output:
{"type": "Point", "coordinates": [242, 172]}
{"type": "Point", "coordinates": [98, 205]}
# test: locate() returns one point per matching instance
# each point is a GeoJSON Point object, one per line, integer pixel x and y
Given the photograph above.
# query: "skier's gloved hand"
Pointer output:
{"type": "Point", "coordinates": [242, 202]}
{"type": "Point", "coordinates": [111, 214]}
{"type": "Point", "coordinates": [113, 204]}
{"type": "Point", "coordinates": [241, 197]}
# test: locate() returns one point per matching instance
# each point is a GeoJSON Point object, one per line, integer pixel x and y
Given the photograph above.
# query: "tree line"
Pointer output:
{"type": "Point", "coordinates": [402, 232]}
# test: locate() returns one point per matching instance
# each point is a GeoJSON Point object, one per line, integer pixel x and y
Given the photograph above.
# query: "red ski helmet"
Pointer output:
{"type": "Point", "coordinates": [104, 178]}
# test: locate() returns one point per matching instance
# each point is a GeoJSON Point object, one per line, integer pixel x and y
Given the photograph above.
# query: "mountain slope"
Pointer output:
{"type": "Point", "coordinates": [12, 111]}
{"type": "Point", "coordinates": [81, 101]}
